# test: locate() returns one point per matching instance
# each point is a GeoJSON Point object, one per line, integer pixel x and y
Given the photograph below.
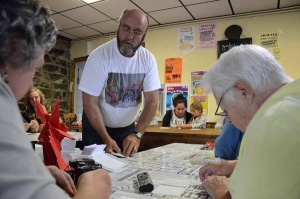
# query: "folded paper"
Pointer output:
{"type": "Point", "coordinates": [51, 136]}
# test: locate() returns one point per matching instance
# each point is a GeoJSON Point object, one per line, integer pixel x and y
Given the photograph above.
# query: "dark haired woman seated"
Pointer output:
{"type": "Point", "coordinates": [177, 115]}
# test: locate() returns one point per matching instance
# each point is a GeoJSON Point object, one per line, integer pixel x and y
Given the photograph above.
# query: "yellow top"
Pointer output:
{"type": "Point", "coordinates": [269, 161]}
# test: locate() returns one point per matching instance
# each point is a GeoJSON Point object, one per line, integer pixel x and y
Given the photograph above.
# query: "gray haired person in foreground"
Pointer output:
{"type": "Point", "coordinates": [257, 96]}
{"type": "Point", "coordinates": [26, 34]}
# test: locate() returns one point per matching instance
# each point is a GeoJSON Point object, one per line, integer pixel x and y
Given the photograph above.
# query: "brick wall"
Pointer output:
{"type": "Point", "coordinates": [54, 77]}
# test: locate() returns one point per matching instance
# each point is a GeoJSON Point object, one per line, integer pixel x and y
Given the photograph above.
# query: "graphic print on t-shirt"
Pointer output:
{"type": "Point", "coordinates": [124, 90]}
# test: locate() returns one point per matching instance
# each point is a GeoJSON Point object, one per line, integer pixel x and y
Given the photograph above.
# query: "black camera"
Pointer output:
{"type": "Point", "coordinates": [145, 183]}
{"type": "Point", "coordinates": [82, 166]}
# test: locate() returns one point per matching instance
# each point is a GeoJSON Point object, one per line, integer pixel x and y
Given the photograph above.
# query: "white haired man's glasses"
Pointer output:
{"type": "Point", "coordinates": [135, 33]}
{"type": "Point", "coordinates": [224, 113]}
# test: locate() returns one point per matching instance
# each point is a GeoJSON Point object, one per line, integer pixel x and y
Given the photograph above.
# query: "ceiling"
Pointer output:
{"type": "Point", "coordinates": [78, 20]}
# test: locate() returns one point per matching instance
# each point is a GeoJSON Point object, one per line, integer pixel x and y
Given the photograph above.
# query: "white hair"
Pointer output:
{"type": "Point", "coordinates": [251, 64]}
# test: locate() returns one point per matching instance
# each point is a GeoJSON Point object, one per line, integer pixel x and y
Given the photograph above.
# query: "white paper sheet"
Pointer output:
{"type": "Point", "coordinates": [68, 145]}
{"type": "Point", "coordinates": [125, 197]}
{"type": "Point", "coordinates": [93, 149]}
{"type": "Point", "coordinates": [163, 127]}
{"type": "Point", "coordinates": [109, 162]}
{"type": "Point", "coordinates": [118, 155]}
{"type": "Point", "coordinates": [168, 190]}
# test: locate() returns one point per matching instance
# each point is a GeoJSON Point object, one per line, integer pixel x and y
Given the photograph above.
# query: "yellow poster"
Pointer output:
{"type": "Point", "coordinates": [270, 41]}
{"type": "Point", "coordinates": [173, 70]}
{"type": "Point", "coordinates": [197, 93]}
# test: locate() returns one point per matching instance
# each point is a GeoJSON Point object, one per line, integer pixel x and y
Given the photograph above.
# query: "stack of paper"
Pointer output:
{"type": "Point", "coordinates": [67, 147]}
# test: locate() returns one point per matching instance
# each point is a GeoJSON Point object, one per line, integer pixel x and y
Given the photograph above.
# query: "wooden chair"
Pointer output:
{"type": "Point", "coordinates": [210, 125]}
{"type": "Point", "coordinates": [69, 118]}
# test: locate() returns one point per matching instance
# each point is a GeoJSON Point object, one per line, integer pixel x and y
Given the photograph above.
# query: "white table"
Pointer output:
{"type": "Point", "coordinates": [33, 137]}
{"type": "Point", "coordinates": [168, 165]}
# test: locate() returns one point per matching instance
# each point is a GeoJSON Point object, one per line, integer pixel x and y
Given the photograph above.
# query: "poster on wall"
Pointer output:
{"type": "Point", "coordinates": [197, 93]}
{"type": "Point", "coordinates": [207, 35]}
{"type": "Point", "coordinates": [270, 41]}
{"type": "Point", "coordinates": [196, 87]}
{"type": "Point", "coordinates": [172, 91]}
{"type": "Point", "coordinates": [186, 40]}
{"type": "Point", "coordinates": [204, 101]}
{"type": "Point", "coordinates": [173, 70]}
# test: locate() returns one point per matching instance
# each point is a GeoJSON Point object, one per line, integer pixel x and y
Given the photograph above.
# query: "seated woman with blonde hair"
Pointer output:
{"type": "Point", "coordinates": [33, 124]}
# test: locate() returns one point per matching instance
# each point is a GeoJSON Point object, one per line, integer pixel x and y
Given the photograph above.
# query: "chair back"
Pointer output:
{"type": "Point", "coordinates": [69, 118]}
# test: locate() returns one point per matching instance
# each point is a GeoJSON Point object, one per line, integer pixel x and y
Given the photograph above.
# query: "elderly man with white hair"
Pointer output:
{"type": "Point", "coordinates": [260, 99]}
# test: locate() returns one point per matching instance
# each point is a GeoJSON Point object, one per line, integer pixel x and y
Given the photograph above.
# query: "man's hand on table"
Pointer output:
{"type": "Point", "coordinates": [217, 187]}
{"type": "Point", "coordinates": [224, 168]}
{"type": "Point", "coordinates": [94, 184]}
{"type": "Point", "coordinates": [111, 146]}
{"type": "Point", "coordinates": [131, 145]}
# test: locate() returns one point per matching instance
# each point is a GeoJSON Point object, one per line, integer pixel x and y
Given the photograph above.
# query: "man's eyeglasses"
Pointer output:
{"type": "Point", "coordinates": [224, 113]}
{"type": "Point", "coordinates": [135, 33]}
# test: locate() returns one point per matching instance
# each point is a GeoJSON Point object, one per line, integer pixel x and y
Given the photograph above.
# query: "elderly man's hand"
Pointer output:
{"type": "Point", "coordinates": [63, 180]}
{"type": "Point", "coordinates": [224, 168]}
{"type": "Point", "coordinates": [216, 187]}
{"type": "Point", "coordinates": [94, 184]}
{"type": "Point", "coordinates": [130, 145]}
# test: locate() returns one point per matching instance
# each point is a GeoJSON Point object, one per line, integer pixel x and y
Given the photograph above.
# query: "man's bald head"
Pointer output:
{"type": "Point", "coordinates": [135, 14]}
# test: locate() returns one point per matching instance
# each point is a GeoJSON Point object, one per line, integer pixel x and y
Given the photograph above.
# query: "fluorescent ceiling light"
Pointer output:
{"type": "Point", "coordinates": [92, 1]}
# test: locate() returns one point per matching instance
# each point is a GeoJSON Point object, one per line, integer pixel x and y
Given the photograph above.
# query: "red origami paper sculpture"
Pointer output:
{"type": "Point", "coordinates": [52, 134]}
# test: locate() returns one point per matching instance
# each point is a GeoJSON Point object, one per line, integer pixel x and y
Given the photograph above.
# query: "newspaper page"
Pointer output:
{"type": "Point", "coordinates": [167, 165]}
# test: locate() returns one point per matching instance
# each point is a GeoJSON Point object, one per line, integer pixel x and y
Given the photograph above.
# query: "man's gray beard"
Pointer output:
{"type": "Point", "coordinates": [127, 52]}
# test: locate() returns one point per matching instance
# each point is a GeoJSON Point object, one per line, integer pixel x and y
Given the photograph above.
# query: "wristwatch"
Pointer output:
{"type": "Point", "coordinates": [138, 134]}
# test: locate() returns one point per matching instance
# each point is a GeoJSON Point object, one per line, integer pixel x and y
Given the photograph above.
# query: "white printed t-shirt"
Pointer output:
{"type": "Point", "coordinates": [119, 82]}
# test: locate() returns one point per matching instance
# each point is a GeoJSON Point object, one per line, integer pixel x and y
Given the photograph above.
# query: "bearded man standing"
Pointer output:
{"type": "Point", "coordinates": [115, 76]}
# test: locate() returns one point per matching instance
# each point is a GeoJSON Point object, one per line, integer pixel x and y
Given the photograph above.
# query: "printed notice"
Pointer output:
{"type": "Point", "coordinates": [207, 35]}
{"type": "Point", "coordinates": [186, 40]}
{"type": "Point", "coordinates": [270, 41]}
{"type": "Point", "coordinates": [173, 70]}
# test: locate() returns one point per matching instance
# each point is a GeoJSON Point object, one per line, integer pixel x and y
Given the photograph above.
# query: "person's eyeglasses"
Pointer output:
{"type": "Point", "coordinates": [135, 33]}
{"type": "Point", "coordinates": [224, 113]}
